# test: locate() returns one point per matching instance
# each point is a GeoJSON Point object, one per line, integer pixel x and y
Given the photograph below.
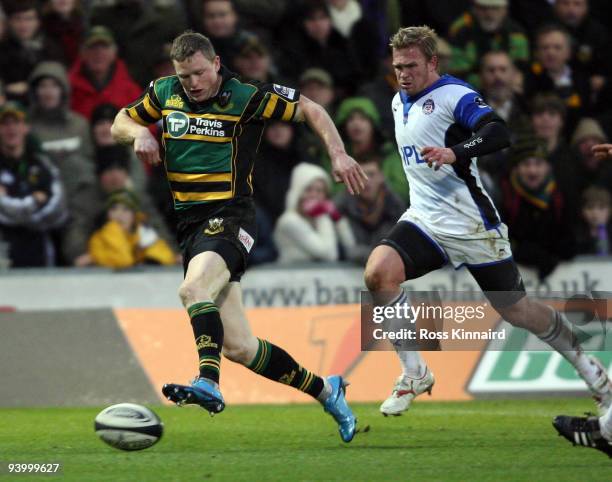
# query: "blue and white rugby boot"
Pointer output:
{"type": "Point", "coordinates": [338, 408]}
{"type": "Point", "coordinates": [201, 392]}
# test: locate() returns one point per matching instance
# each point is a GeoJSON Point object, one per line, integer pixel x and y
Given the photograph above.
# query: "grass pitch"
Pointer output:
{"type": "Point", "coordinates": [462, 441]}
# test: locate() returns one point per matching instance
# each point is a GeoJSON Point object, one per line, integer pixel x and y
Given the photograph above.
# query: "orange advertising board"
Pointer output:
{"type": "Point", "coordinates": [325, 339]}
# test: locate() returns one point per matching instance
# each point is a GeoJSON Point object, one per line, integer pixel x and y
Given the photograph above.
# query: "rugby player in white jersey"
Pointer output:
{"type": "Point", "coordinates": [591, 431]}
{"type": "Point", "coordinates": [441, 126]}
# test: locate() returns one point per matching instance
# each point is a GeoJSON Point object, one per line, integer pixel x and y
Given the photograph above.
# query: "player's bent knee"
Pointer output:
{"type": "Point", "coordinates": [191, 292]}
{"type": "Point", "coordinates": [378, 279]}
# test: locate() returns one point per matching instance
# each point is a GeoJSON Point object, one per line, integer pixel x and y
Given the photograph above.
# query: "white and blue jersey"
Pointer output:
{"type": "Point", "coordinates": [451, 201]}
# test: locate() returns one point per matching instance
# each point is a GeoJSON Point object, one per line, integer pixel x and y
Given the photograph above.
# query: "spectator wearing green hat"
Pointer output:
{"type": "Point", "coordinates": [359, 123]}
{"type": "Point", "coordinates": [535, 209]}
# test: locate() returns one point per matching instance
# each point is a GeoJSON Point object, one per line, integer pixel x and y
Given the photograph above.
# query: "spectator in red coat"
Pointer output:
{"type": "Point", "coordinates": [99, 76]}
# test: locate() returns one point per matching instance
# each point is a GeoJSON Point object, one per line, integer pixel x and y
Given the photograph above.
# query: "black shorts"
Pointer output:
{"type": "Point", "coordinates": [229, 229]}
{"type": "Point", "coordinates": [500, 281]}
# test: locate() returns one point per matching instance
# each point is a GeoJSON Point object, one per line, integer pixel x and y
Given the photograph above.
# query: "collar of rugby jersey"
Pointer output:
{"type": "Point", "coordinates": [226, 75]}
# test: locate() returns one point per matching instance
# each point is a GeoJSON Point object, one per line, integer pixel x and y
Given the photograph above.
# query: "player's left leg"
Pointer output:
{"type": "Point", "coordinates": [548, 324]}
{"type": "Point", "coordinates": [274, 363]}
{"type": "Point", "coordinates": [587, 431]}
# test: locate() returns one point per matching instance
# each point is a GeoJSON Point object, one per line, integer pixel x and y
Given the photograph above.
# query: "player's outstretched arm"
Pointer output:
{"type": "Point", "coordinates": [603, 151]}
{"type": "Point", "coordinates": [344, 168]}
{"type": "Point", "coordinates": [127, 131]}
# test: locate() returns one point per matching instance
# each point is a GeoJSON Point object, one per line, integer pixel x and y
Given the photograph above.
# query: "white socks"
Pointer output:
{"type": "Point", "coordinates": [560, 336]}
{"type": "Point", "coordinates": [605, 425]}
{"type": "Point", "coordinates": [413, 365]}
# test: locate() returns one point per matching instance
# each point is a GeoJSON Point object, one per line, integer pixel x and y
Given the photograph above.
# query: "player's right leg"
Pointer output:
{"type": "Point", "coordinates": [274, 363]}
{"type": "Point", "coordinates": [406, 253]}
{"type": "Point", "coordinates": [503, 285]}
{"type": "Point", "coordinates": [207, 274]}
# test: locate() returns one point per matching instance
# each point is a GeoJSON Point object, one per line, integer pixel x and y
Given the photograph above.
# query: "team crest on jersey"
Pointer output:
{"type": "Point", "coordinates": [223, 101]}
{"type": "Point", "coordinates": [284, 91]}
{"type": "Point", "coordinates": [175, 101]}
{"type": "Point", "coordinates": [215, 226]}
{"type": "Point", "coordinates": [428, 107]}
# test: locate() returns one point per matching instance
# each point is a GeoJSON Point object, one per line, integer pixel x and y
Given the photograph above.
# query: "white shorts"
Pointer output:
{"type": "Point", "coordinates": [481, 249]}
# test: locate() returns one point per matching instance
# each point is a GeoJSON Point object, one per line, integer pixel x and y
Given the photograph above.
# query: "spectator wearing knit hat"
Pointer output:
{"type": "Point", "coordinates": [359, 123]}
{"type": "Point", "coordinates": [535, 210]}
{"type": "Point", "coordinates": [588, 169]}
{"type": "Point", "coordinates": [64, 134]}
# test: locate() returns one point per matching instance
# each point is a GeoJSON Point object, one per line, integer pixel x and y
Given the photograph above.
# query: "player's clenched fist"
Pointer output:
{"type": "Point", "coordinates": [438, 156]}
{"type": "Point", "coordinates": [146, 147]}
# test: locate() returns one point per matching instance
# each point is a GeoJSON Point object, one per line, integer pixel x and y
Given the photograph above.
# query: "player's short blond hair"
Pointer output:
{"type": "Point", "coordinates": [423, 37]}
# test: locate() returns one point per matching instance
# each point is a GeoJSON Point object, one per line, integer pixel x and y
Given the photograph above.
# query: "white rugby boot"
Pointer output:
{"type": "Point", "coordinates": [405, 390]}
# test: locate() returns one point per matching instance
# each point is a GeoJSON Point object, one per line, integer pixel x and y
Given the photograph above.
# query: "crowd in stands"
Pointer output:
{"type": "Point", "coordinates": [70, 196]}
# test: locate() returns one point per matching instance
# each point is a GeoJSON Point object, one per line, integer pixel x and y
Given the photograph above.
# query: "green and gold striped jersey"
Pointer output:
{"type": "Point", "coordinates": [210, 147]}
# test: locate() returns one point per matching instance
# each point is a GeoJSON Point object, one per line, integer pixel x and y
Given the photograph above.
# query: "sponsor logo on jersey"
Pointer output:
{"type": "Point", "coordinates": [175, 101]}
{"type": "Point", "coordinates": [246, 239]}
{"type": "Point", "coordinates": [287, 92]}
{"type": "Point", "coordinates": [478, 140]}
{"type": "Point", "coordinates": [178, 124]}
{"type": "Point", "coordinates": [215, 226]}
{"type": "Point", "coordinates": [428, 107]}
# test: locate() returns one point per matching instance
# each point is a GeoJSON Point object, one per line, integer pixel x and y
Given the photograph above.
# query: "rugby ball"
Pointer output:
{"type": "Point", "coordinates": [128, 426]}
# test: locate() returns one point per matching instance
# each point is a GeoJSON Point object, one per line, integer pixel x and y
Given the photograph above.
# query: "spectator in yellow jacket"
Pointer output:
{"type": "Point", "coordinates": [125, 240]}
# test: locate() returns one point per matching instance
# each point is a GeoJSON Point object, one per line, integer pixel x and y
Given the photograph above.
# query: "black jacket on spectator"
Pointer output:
{"type": "Point", "coordinates": [336, 57]}
{"type": "Point", "coordinates": [272, 175]}
{"type": "Point", "coordinates": [18, 60]}
{"type": "Point", "coordinates": [591, 44]}
{"type": "Point", "coordinates": [541, 237]}
{"type": "Point", "coordinates": [586, 243]}
{"type": "Point", "coordinates": [24, 222]}
{"type": "Point", "coordinates": [577, 96]}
